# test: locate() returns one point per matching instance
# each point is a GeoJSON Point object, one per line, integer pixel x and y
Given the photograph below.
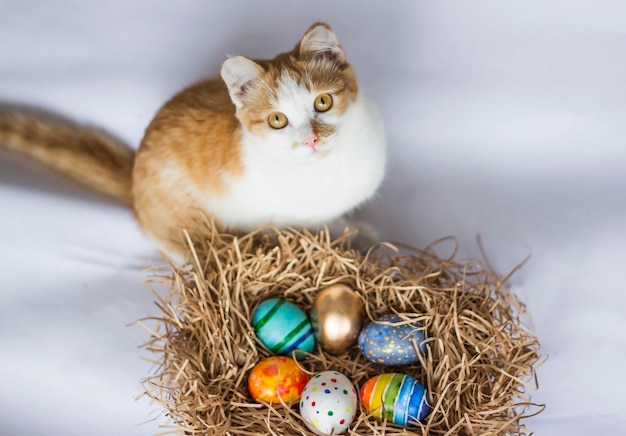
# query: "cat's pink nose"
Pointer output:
{"type": "Point", "coordinates": [311, 141]}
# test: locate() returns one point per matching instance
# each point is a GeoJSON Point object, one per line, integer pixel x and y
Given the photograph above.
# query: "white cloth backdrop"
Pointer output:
{"type": "Point", "coordinates": [505, 119]}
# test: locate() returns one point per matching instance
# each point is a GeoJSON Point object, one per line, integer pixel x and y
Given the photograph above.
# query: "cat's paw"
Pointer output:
{"type": "Point", "coordinates": [366, 236]}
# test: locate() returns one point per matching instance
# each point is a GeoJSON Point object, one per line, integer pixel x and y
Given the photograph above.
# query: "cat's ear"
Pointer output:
{"type": "Point", "coordinates": [320, 40]}
{"type": "Point", "coordinates": [240, 74]}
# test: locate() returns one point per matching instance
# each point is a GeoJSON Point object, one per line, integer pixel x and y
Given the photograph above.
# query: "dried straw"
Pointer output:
{"type": "Point", "coordinates": [480, 361]}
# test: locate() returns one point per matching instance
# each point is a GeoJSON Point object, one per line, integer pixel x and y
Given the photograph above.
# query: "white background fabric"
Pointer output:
{"type": "Point", "coordinates": [504, 119]}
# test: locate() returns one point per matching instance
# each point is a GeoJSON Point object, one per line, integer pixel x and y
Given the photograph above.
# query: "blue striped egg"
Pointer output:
{"type": "Point", "coordinates": [396, 398]}
{"type": "Point", "coordinates": [283, 327]}
{"type": "Point", "coordinates": [390, 341]}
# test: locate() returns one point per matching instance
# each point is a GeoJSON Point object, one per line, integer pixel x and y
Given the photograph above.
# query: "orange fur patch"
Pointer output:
{"type": "Point", "coordinates": [194, 141]}
{"type": "Point", "coordinates": [321, 129]}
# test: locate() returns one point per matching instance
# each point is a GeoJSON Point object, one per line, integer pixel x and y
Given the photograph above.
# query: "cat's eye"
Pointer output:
{"type": "Point", "coordinates": [277, 120]}
{"type": "Point", "coordinates": [323, 102]}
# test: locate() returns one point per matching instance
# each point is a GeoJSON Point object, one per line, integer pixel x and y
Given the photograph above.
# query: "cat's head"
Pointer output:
{"type": "Point", "coordinates": [294, 103]}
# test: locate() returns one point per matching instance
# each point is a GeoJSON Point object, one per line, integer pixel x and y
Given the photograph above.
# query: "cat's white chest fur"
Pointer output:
{"type": "Point", "coordinates": [311, 192]}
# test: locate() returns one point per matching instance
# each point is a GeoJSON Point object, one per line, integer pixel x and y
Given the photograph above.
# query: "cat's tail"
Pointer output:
{"type": "Point", "coordinates": [82, 153]}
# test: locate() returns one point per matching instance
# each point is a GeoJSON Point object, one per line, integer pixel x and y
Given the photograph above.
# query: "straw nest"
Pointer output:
{"type": "Point", "coordinates": [480, 361]}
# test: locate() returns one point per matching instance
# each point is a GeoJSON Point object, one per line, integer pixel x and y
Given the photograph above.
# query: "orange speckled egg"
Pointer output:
{"type": "Point", "coordinates": [276, 378]}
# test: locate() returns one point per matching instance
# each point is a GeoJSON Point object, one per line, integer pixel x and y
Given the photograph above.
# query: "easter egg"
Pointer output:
{"type": "Point", "coordinates": [276, 378]}
{"type": "Point", "coordinates": [396, 398]}
{"type": "Point", "coordinates": [283, 327]}
{"type": "Point", "coordinates": [329, 403]}
{"type": "Point", "coordinates": [337, 316]}
{"type": "Point", "coordinates": [390, 341]}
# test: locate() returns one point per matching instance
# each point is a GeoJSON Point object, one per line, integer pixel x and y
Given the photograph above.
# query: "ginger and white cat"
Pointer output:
{"type": "Point", "coordinates": [288, 141]}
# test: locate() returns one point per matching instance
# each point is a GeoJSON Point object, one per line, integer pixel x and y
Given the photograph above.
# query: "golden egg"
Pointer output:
{"type": "Point", "coordinates": [337, 316]}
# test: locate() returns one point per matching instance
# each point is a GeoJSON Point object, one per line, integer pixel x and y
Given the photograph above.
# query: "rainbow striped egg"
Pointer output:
{"type": "Point", "coordinates": [395, 398]}
{"type": "Point", "coordinates": [283, 327]}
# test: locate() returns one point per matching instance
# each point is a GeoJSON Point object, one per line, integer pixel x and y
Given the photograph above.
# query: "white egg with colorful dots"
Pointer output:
{"type": "Point", "coordinates": [329, 403]}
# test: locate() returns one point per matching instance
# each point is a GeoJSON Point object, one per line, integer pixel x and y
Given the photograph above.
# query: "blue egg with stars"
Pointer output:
{"type": "Point", "coordinates": [391, 341]}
